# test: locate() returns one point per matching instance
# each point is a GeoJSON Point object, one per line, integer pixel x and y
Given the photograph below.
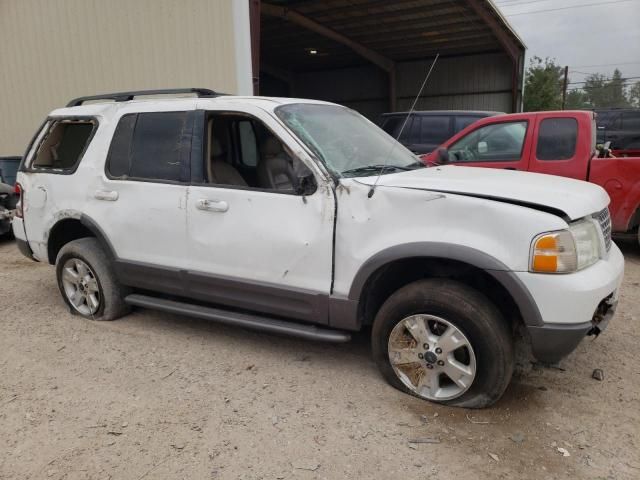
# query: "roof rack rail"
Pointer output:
{"type": "Point", "coordinates": [126, 96]}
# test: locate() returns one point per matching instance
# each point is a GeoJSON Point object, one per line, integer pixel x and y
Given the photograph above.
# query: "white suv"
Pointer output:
{"type": "Point", "coordinates": [302, 217]}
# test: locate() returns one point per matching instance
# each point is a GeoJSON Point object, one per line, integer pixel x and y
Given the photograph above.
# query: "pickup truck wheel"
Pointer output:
{"type": "Point", "coordinates": [443, 341]}
{"type": "Point", "coordinates": [87, 281]}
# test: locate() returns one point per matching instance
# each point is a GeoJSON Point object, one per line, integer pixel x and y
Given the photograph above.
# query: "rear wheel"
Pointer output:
{"type": "Point", "coordinates": [87, 281]}
{"type": "Point", "coordinates": [443, 341]}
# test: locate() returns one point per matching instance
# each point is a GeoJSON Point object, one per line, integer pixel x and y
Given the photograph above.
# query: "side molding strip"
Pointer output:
{"type": "Point", "coordinates": [237, 319]}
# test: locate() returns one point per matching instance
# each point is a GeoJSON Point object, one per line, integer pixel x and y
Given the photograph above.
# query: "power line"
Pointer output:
{"type": "Point", "coordinates": [607, 64]}
{"type": "Point", "coordinates": [622, 80]}
{"type": "Point", "coordinates": [597, 73]}
{"type": "Point", "coordinates": [567, 8]}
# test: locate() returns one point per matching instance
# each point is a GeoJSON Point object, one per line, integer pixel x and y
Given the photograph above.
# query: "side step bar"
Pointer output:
{"type": "Point", "coordinates": [244, 320]}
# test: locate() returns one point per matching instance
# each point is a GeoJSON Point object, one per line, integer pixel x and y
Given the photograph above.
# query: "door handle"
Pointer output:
{"type": "Point", "coordinates": [510, 168]}
{"type": "Point", "coordinates": [212, 205]}
{"type": "Point", "coordinates": [109, 196]}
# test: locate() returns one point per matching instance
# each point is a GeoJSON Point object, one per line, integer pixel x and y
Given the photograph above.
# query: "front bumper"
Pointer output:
{"type": "Point", "coordinates": [573, 306]}
{"type": "Point", "coordinates": [551, 343]}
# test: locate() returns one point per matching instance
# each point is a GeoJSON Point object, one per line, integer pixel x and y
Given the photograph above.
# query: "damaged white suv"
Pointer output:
{"type": "Point", "coordinates": [302, 217]}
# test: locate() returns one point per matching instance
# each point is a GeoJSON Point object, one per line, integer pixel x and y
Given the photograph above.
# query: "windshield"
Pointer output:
{"type": "Point", "coordinates": [347, 143]}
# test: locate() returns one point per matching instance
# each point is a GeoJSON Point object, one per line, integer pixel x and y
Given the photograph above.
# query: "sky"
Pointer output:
{"type": "Point", "coordinates": [582, 37]}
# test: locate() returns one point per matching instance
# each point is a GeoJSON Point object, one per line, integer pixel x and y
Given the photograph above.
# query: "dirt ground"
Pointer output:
{"type": "Point", "coordinates": [161, 396]}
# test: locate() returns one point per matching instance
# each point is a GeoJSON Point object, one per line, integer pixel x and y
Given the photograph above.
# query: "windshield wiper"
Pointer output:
{"type": "Point", "coordinates": [375, 168]}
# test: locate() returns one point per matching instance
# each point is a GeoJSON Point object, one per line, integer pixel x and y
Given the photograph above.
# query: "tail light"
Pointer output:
{"type": "Point", "coordinates": [18, 191]}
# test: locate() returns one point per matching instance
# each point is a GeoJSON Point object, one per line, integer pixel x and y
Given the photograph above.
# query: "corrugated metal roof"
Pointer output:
{"type": "Point", "coordinates": [400, 30]}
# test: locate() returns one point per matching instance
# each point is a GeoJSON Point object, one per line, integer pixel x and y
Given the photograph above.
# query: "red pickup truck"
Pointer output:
{"type": "Point", "coordinates": [557, 143]}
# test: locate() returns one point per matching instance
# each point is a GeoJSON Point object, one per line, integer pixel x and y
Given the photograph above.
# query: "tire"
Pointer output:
{"type": "Point", "coordinates": [482, 366]}
{"type": "Point", "coordinates": [104, 297]}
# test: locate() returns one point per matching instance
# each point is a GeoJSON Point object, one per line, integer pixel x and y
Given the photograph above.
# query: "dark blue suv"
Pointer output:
{"type": "Point", "coordinates": [426, 130]}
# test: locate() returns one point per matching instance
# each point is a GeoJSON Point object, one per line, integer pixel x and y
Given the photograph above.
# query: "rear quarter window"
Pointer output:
{"type": "Point", "coordinates": [557, 139]}
{"type": "Point", "coordinates": [61, 148]}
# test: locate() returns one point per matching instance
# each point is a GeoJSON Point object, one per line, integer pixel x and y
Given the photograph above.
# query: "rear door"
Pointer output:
{"type": "Point", "coordinates": [139, 198]}
{"type": "Point", "coordinates": [504, 144]}
{"type": "Point", "coordinates": [561, 146]}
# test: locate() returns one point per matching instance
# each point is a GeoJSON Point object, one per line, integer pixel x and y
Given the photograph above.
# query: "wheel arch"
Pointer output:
{"type": "Point", "coordinates": [395, 267]}
{"type": "Point", "coordinates": [71, 228]}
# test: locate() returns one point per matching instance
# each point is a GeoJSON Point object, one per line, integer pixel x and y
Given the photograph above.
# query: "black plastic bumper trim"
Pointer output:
{"type": "Point", "coordinates": [550, 343]}
{"type": "Point", "coordinates": [25, 249]}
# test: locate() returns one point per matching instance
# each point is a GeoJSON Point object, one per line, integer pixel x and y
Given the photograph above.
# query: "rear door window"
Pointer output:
{"type": "Point", "coordinates": [435, 129]}
{"type": "Point", "coordinates": [557, 139]}
{"type": "Point", "coordinates": [463, 122]}
{"type": "Point", "coordinates": [151, 146]}
{"type": "Point", "coordinates": [62, 147]}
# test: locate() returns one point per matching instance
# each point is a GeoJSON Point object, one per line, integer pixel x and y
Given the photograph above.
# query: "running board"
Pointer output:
{"type": "Point", "coordinates": [245, 320]}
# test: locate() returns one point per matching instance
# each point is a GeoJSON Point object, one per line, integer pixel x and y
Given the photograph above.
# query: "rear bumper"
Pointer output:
{"type": "Point", "coordinates": [21, 240]}
{"type": "Point", "coordinates": [25, 249]}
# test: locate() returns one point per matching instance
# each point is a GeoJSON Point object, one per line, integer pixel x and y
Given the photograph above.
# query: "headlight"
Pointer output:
{"type": "Point", "coordinates": [566, 251]}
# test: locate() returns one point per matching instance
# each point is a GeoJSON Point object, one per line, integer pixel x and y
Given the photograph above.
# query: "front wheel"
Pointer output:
{"type": "Point", "coordinates": [443, 341]}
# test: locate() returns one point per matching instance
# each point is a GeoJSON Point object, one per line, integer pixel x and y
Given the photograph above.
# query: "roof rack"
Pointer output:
{"type": "Point", "coordinates": [126, 96]}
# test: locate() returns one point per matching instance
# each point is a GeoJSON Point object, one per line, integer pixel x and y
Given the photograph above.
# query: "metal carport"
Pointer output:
{"type": "Point", "coordinates": [372, 54]}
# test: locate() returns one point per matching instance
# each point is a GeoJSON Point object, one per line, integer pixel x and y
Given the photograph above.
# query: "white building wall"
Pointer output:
{"type": "Point", "coordinates": [53, 51]}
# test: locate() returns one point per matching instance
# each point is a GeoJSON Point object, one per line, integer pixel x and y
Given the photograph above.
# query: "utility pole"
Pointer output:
{"type": "Point", "coordinates": [564, 86]}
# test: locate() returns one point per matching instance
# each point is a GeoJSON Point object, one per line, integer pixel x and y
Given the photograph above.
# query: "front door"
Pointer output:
{"type": "Point", "coordinates": [260, 237]}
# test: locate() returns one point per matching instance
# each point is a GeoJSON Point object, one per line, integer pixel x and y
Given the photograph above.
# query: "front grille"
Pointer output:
{"type": "Point", "coordinates": [605, 225]}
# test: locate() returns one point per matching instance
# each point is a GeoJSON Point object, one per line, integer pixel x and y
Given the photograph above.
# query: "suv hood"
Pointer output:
{"type": "Point", "coordinates": [573, 198]}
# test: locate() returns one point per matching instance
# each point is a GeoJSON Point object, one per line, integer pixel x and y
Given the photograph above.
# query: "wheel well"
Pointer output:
{"type": "Point", "coordinates": [64, 232]}
{"type": "Point", "coordinates": [395, 275]}
{"type": "Point", "coordinates": [634, 221]}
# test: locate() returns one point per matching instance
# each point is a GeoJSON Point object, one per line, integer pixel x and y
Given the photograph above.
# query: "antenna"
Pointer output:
{"type": "Point", "coordinates": [413, 106]}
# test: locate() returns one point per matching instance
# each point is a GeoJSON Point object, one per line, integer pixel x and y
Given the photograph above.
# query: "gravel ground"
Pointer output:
{"type": "Point", "coordinates": [161, 396]}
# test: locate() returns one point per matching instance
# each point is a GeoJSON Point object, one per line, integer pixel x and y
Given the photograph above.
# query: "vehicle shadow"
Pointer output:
{"type": "Point", "coordinates": [630, 248]}
{"type": "Point", "coordinates": [6, 239]}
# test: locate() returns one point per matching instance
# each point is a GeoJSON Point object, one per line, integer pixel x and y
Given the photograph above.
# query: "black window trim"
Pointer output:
{"type": "Point", "coordinates": [524, 140]}
{"type": "Point", "coordinates": [126, 178]}
{"type": "Point", "coordinates": [575, 145]}
{"type": "Point", "coordinates": [57, 118]}
{"type": "Point", "coordinates": [195, 183]}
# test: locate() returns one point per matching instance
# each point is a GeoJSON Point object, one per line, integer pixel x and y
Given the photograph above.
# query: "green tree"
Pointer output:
{"type": "Point", "coordinates": [634, 95]}
{"type": "Point", "coordinates": [603, 92]}
{"type": "Point", "coordinates": [543, 85]}
{"type": "Point", "coordinates": [577, 99]}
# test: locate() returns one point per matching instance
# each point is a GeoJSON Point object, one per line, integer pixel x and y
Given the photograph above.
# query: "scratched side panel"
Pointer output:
{"type": "Point", "coordinates": [396, 216]}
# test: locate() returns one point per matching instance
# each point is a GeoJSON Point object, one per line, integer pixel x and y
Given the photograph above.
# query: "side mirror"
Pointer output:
{"type": "Point", "coordinates": [443, 156]}
{"type": "Point", "coordinates": [483, 147]}
{"type": "Point", "coordinates": [306, 184]}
